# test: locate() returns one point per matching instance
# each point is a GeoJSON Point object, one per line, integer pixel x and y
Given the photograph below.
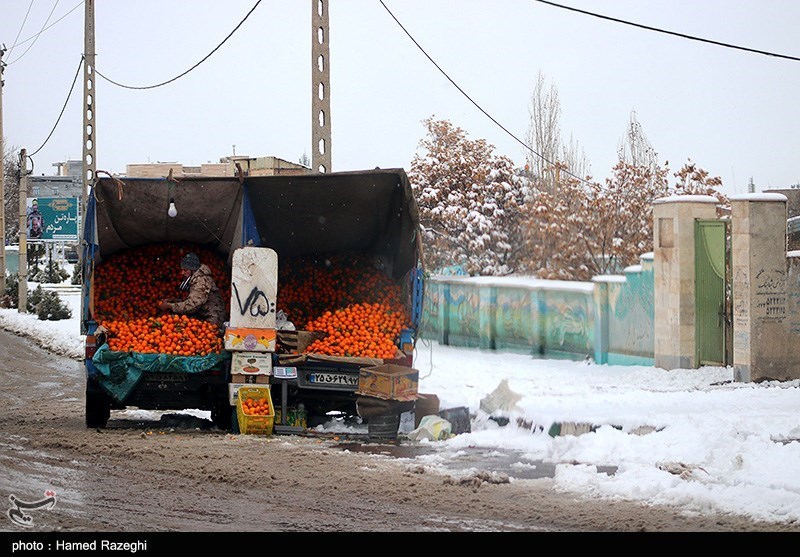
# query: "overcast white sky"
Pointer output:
{"type": "Point", "coordinates": [734, 113]}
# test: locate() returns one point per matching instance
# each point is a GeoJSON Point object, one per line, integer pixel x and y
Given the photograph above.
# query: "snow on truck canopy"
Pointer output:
{"type": "Point", "coordinates": [337, 212]}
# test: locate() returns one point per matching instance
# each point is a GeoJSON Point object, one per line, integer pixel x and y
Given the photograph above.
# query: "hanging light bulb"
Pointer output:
{"type": "Point", "coordinates": [172, 209]}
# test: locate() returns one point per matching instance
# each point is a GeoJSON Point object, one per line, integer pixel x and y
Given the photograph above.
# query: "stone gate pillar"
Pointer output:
{"type": "Point", "coordinates": [674, 277]}
{"type": "Point", "coordinates": [766, 331]}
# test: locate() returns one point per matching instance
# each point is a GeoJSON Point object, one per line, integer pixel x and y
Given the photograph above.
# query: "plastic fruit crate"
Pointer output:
{"type": "Point", "coordinates": [249, 423]}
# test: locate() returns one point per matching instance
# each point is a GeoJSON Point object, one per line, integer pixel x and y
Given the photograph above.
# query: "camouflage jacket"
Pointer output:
{"type": "Point", "coordinates": [204, 300]}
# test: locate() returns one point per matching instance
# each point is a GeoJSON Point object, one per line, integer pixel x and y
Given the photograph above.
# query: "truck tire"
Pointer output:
{"type": "Point", "coordinates": [222, 416]}
{"type": "Point", "coordinates": [98, 407]}
{"type": "Point", "coordinates": [383, 427]}
{"type": "Point", "coordinates": [235, 422]}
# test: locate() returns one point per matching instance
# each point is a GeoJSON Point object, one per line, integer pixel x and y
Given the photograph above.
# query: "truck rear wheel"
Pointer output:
{"type": "Point", "coordinates": [234, 422]}
{"type": "Point", "coordinates": [222, 416]}
{"type": "Point", "coordinates": [383, 427]}
{"type": "Point", "coordinates": [98, 406]}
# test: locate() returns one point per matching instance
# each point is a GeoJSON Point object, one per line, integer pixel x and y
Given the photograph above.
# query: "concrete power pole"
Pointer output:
{"type": "Point", "coordinates": [320, 87]}
{"type": "Point", "coordinates": [2, 183]}
{"type": "Point", "coordinates": [89, 107]}
{"type": "Point", "coordinates": [89, 136]}
{"type": "Point", "coordinates": [22, 306]}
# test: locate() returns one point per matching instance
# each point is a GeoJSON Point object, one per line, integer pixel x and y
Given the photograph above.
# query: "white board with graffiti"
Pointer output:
{"type": "Point", "coordinates": [254, 288]}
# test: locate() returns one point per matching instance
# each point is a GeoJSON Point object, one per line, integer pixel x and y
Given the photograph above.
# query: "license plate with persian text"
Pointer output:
{"type": "Point", "coordinates": [333, 379]}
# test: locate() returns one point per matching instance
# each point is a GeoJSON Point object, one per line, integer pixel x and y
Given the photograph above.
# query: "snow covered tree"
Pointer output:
{"type": "Point", "coordinates": [470, 202]}
{"type": "Point", "coordinates": [635, 149]}
{"type": "Point", "coordinates": [11, 189]}
{"type": "Point", "coordinates": [477, 211]}
{"type": "Point", "coordinates": [544, 132]}
{"type": "Point", "coordinates": [623, 216]}
{"type": "Point", "coordinates": [591, 228]}
{"type": "Point", "coordinates": [693, 180]}
{"type": "Point", "coordinates": [552, 227]}
{"type": "Point", "coordinates": [549, 156]}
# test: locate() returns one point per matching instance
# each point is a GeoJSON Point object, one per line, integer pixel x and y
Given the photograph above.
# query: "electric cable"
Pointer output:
{"type": "Point", "coordinates": [673, 33]}
{"type": "Point", "coordinates": [48, 27]}
{"type": "Point", "coordinates": [479, 107]}
{"type": "Point", "coordinates": [190, 69]}
{"type": "Point", "coordinates": [649, 28]}
{"type": "Point", "coordinates": [75, 80]}
{"type": "Point", "coordinates": [46, 21]}
{"type": "Point", "coordinates": [24, 20]}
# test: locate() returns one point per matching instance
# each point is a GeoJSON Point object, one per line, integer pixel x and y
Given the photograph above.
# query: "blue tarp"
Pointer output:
{"type": "Point", "coordinates": [120, 372]}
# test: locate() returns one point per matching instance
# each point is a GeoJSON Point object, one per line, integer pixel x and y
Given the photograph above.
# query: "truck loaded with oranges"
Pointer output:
{"type": "Point", "coordinates": [347, 295]}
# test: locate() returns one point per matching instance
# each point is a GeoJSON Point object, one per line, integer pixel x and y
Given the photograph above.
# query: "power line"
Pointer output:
{"type": "Point", "coordinates": [190, 69]}
{"type": "Point", "coordinates": [62, 109]}
{"type": "Point", "coordinates": [25, 19]}
{"type": "Point", "coordinates": [444, 73]}
{"type": "Point", "coordinates": [37, 34]}
{"type": "Point", "coordinates": [673, 33]}
{"type": "Point", "coordinates": [46, 28]}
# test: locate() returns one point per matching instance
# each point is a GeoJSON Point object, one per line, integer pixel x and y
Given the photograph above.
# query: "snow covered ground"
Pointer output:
{"type": "Point", "coordinates": [689, 437]}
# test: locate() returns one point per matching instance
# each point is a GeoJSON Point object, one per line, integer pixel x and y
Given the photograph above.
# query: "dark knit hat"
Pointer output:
{"type": "Point", "coordinates": [190, 261]}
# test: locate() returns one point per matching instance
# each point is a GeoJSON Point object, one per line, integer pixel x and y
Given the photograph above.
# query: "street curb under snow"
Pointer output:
{"type": "Point", "coordinates": [49, 340]}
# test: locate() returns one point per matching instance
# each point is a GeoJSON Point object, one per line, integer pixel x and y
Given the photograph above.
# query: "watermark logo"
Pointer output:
{"type": "Point", "coordinates": [17, 513]}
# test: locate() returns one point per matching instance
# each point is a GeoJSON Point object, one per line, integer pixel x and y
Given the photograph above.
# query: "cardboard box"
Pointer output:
{"type": "Point", "coordinates": [389, 382]}
{"type": "Point", "coordinates": [249, 379]}
{"type": "Point", "coordinates": [241, 339]}
{"type": "Point", "coordinates": [233, 390]}
{"type": "Point", "coordinates": [251, 363]}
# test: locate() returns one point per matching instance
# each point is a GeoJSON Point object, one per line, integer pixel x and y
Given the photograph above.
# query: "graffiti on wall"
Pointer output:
{"type": "Point", "coordinates": [513, 318]}
{"type": "Point", "coordinates": [463, 306]}
{"type": "Point", "coordinates": [770, 295]}
{"type": "Point", "coordinates": [568, 326]}
{"type": "Point", "coordinates": [431, 307]}
{"type": "Point", "coordinates": [537, 319]}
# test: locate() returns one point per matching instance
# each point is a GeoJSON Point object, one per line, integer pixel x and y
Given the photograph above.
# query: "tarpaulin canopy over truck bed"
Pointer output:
{"type": "Point", "coordinates": [373, 211]}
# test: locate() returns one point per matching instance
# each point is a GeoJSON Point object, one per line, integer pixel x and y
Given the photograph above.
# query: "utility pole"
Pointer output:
{"type": "Point", "coordinates": [2, 182]}
{"type": "Point", "coordinates": [320, 87]}
{"type": "Point", "coordinates": [22, 306]}
{"type": "Point", "coordinates": [89, 107]}
{"type": "Point", "coordinates": [89, 139]}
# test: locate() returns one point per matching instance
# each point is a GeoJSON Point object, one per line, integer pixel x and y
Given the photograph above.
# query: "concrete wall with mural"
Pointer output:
{"type": "Point", "coordinates": [610, 320]}
{"type": "Point", "coordinates": [614, 319]}
{"type": "Point", "coordinates": [625, 330]}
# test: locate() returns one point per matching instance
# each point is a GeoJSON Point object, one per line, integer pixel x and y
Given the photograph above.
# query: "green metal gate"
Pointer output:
{"type": "Point", "coordinates": [712, 293]}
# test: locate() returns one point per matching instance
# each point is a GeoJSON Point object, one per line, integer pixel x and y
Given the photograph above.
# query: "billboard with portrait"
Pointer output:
{"type": "Point", "coordinates": [52, 218]}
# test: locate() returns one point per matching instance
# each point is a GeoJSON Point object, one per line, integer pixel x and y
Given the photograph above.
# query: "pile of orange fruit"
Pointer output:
{"type": "Point", "coordinates": [256, 407]}
{"type": "Point", "coordinates": [349, 298]}
{"type": "Point", "coordinates": [128, 287]}
{"type": "Point", "coordinates": [130, 283]}
{"type": "Point", "coordinates": [358, 330]}
{"type": "Point", "coordinates": [177, 335]}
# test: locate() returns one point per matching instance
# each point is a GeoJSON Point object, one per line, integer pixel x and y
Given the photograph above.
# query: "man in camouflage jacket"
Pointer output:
{"type": "Point", "coordinates": [204, 300]}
